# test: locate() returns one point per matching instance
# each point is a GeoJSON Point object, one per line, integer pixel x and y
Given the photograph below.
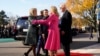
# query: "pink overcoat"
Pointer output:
{"type": "Point", "coordinates": [53, 39]}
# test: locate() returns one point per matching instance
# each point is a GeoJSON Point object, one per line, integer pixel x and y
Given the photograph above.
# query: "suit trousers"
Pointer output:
{"type": "Point", "coordinates": [41, 44]}
{"type": "Point", "coordinates": [66, 44]}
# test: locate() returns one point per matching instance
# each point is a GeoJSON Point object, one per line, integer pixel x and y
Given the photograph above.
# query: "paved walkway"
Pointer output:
{"type": "Point", "coordinates": [92, 47]}
{"type": "Point", "coordinates": [81, 44]}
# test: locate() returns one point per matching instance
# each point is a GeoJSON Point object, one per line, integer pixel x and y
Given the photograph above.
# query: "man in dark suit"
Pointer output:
{"type": "Point", "coordinates": [45, 30]}
{"type": "Point", "coordinates": [65, 29]}
{"type": "Point", "coordinates": [43, 34]}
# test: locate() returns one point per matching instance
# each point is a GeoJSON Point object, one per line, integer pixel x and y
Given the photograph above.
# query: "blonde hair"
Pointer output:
{"type": "Point", "coordinates": [33, 12]}
{"type": "Point", "coordinates": [54, 10]}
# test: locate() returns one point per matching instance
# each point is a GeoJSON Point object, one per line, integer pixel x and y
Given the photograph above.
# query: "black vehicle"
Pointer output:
{"type": "Point", "coordinates": [21, 28]}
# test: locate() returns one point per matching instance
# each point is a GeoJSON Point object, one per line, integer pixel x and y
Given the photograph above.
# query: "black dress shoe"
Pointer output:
{"type": "Point", "coordinates": [25, 54]}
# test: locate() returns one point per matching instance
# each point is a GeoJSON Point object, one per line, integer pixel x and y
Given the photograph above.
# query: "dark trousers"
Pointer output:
{"type": "Point", "coordinates": [46, 51]}
{"type": "Point", "coordinates": [91, 35]}
{"type": "Point", "coordinates": [40, 44]}
{"type": "Point", "coordinates": [66, 48]}
{"type": "Point", "coordinates": [65, 41]}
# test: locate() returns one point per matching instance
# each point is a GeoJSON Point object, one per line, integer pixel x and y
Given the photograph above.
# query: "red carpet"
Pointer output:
{"type": "Point", "coordinates": [75, 54]}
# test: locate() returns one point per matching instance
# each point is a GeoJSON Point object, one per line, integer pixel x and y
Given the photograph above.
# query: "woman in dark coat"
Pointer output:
{"type": "Point", "coordinates": [32, 32]}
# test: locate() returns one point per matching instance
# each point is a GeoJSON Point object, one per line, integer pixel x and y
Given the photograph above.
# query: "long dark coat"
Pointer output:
{"type": "Point", "coordinates": [32, 33]}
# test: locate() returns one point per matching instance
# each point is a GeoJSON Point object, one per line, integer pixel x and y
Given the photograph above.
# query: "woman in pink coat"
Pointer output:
{"type": "Point", "coordinates": [53, 39]}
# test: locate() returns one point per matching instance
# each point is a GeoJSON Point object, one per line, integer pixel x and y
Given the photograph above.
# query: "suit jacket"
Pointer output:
{"type": "Point", "coordinates": [43, 27]}
{"type": "Point", "coordinates": [66, 22]}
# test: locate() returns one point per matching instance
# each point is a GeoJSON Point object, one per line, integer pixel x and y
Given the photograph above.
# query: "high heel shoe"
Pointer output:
{"type": "Point", "coordinates": [25, 54]}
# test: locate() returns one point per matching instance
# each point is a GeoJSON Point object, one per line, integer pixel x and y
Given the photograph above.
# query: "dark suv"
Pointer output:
{"type": "Point", "coordinates": [21, 28]}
